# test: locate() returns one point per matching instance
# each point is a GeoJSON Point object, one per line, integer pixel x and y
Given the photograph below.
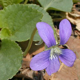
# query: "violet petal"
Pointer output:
{"type": "Point", "coordinates": [40, 61]}
{"type": "Point", "coordinates": [46, 33]}
{"type": "Point", "coordinates": [53, 66]}
{"type": "Point", "coordinates": [67, 57]}
{"type": "Point", "coordinates": [65, 31]}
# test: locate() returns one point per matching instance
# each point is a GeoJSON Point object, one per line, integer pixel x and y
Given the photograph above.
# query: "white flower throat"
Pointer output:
{"type": "Point", "coordinates": [55, 52]}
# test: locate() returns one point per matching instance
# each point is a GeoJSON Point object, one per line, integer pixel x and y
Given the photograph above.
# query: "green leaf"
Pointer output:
{"type": "Point", "coordinates": [10, 59]}
{"type": "Point", "coordinates": [20, 20]}
{"type": "Point", "coordinates": [5, 3]}
{"type": "Point", "coordinates": [63, 5]}
{"type": "Point", "coordinates": [46, 18]}
{"type": "Point", "coordinates": [5, 33]}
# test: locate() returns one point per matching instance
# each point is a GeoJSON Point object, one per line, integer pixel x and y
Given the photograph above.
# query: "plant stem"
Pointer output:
{"type": "Point", "coordinates": [55, 35]}
{"type": "Point", "coordinates": [51, 47]}
{"type": "Point", "coordinates": [30, 42]}
{"type": "Point", "coordinates": [61, 67]}
{"type": "Point", "coordinates": [25, 1]}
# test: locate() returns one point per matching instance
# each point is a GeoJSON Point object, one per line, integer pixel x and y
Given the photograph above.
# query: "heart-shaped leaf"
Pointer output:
{"type": "Point", "coordinates": [10, 59]}
{"type": "Point", "coordinates": [63, 5]}
{"type": "Point", "coordinates": [19, 21]}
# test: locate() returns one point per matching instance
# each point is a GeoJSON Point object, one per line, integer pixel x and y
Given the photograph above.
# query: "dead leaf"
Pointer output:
{"type": "Point", "coordinates": [74, 45]}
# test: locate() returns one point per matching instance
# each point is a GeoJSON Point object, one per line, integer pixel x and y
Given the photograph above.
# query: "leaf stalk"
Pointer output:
{"type": "Point", "coordinates": [30, 42]}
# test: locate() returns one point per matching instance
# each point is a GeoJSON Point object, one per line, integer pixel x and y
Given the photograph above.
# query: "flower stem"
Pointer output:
{"type": "Point", "coordinates": [61, 67]}
{"type": "Point", "coordinates": [51, 47]}
{"type": "Point", "coordinates": [30, 42]}
{"type": "Point", "coordinates": [55, 35]}
{"type": "Point", "coordinates": [25, 1]}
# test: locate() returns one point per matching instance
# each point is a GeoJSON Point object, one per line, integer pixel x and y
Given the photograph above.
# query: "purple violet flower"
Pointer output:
{"type": "Point", "coordinates": [49, 59]}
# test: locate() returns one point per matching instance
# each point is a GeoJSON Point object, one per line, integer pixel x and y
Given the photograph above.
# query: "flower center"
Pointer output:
{"type": "Point", "coordinates": [55, 52]}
